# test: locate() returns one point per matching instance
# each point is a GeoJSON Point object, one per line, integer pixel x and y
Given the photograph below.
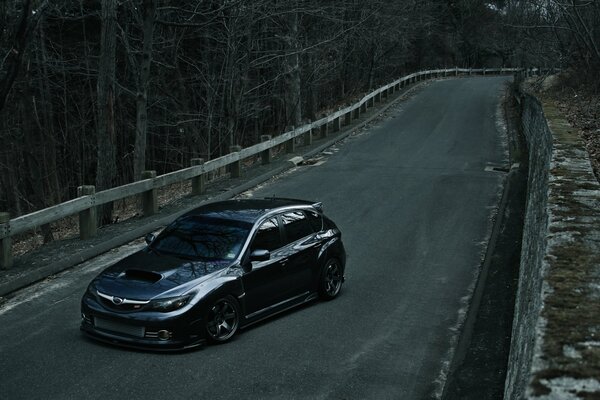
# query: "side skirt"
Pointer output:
{"type": "Point", "coordinates": [278, 308]}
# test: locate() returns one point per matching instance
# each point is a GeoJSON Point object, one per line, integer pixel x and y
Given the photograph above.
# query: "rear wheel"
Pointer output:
{"type": "Point", "coordinates": [330, 282]}
{"type": "Point", "coordinates": [222, 319]}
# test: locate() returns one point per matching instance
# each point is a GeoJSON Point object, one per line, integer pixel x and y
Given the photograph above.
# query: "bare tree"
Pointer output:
{"type": "Point", "coordinates": [11, 62]}
{"type": "Point", "coordinates": [106, 170]}
{"type": "Point", "coordinates": [141, 126]}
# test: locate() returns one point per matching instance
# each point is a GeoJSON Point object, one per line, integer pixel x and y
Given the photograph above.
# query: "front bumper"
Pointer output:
{"type": "Point", "coordinates": [142, 330]}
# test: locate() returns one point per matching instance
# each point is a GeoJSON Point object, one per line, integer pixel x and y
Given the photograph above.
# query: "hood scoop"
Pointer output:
{"type": "Point", "coordinates": [141, 275]}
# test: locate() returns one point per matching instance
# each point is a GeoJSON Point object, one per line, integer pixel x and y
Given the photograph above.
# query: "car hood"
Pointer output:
{"type": "Point", "coordinates": [145, 275]}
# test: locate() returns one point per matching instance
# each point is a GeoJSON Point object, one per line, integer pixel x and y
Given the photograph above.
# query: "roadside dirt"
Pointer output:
{"type": "Point", "coordinates": [580, 104]}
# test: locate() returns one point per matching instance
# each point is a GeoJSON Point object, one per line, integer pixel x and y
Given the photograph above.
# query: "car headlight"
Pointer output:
{"type": "Point", "coordinates": [169, 304]}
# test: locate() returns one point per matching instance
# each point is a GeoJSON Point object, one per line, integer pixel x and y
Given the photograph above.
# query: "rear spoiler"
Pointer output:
{"type": "Point", "coordinates": [317, 205]}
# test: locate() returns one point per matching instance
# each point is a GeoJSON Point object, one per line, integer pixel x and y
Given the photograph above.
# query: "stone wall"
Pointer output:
{"type": "Point", "coordinates": [555, 349]}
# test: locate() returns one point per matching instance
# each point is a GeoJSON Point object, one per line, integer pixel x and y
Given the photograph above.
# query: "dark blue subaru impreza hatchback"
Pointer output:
{"type": "Point", "coordinates": [216, 269]}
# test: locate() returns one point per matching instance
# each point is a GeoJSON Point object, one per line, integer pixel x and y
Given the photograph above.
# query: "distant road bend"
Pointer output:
{"type": "Point", "coordinates": [414, 196]}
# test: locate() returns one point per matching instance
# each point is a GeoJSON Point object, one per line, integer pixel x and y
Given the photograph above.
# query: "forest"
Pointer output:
{"type": "Point", "coordinates": [95, 92]}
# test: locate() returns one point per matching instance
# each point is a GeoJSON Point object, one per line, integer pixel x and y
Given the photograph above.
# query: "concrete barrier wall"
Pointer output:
{"type": "Point", "coordinates": [528, 301]}
{"type": "Point", "coordinates": [555, 349]}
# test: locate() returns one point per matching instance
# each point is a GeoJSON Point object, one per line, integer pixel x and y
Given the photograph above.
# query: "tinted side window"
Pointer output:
{"type": "Point", "coordinates": [296, 226]}
{"type": "Point", "coordinates": [329, 224]}
{"type": "Point", "coordinates": [315, 220]}
{"type": "Point", "coordinates": [267, 237]}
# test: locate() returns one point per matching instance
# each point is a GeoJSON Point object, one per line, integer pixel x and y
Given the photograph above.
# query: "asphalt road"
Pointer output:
{"type": "Point", "coordinates": [414, 196]}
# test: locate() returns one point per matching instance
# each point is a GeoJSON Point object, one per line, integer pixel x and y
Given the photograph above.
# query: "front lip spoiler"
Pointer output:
{"type": "Point", "coordinates": [121, 342]}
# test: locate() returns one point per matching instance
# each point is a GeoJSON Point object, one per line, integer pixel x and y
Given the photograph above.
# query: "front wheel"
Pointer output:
{"type": "Point", "coordinates": [222, 320]}
{"type": "Point", "coordinates": [330, 282]}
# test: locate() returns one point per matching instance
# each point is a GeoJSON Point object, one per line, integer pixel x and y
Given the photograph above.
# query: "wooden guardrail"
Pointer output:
{"type": "Point", "coordinates": [85, 205]}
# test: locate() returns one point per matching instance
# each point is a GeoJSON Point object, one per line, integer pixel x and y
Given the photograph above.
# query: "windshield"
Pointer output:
{"type": "Point", "coordinates": [202, 238]}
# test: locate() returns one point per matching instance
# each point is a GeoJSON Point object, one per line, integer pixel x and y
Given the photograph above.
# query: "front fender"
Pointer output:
{"type": "Point", "coordinates": [224, 285]}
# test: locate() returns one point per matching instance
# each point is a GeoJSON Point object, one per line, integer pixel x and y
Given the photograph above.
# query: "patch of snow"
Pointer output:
{"type": "Point", "coordinates": [567, 388]}
{"type": "Point", "coordinates": [571, 352]}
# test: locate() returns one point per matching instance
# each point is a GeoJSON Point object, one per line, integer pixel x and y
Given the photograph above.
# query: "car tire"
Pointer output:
{"type": "Point", "coordinates": [331, 279]}
{"type": "Point", "coordinates": [222, 319]}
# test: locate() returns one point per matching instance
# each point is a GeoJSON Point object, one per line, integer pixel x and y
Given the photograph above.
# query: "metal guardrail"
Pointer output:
{"type": "Point", "coordinates": [86, 204]}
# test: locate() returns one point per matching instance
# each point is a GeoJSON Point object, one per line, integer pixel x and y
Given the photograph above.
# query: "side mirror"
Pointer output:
{"type": "Point", "coordinates": [256, 255]}
{"type": "Point", "coordinates": [260, 255]}
{"type": "Point", "coordinates": [150, 238]}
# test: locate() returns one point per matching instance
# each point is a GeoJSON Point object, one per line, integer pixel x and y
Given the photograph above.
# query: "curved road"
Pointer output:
{"type": "Point", "coordinates": [414, 196]}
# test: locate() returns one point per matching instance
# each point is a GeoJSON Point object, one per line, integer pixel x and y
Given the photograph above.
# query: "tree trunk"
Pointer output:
{"type": "Point", "coordinates": [141, 128]}
{"type": "Point", "coordinates": [14, 58]}
{"type": "Point", "coordinates": [47, 131]}
{"type": "Point", "coordinates": [106, 163]}
{"type": "Point", "coordinates": [292, 96]}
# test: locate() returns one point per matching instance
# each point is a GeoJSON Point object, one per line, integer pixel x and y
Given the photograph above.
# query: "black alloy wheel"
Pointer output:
{"type": "Point", "coordinates": [331, 280]}
{"type": "Point", "coordinates": [223, 319]}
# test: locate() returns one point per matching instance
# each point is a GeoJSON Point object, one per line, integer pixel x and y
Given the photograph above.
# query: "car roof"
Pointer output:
{"type": "Point", "coordinates": [247, 210]}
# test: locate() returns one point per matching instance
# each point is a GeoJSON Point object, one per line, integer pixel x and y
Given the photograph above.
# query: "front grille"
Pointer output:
{"type": "Point", "coordinates": [121, 307]}
{"type": "Point", "coordinates": [117, 327]}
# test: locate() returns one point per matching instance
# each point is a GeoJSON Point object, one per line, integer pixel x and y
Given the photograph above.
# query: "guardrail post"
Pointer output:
{"type": "Point", "coordinates": [6, 256]}
{"type": "Point", "coordinates": [455, 71]}
{"type": "Point", "coordinates": [290, 145]}
{"type": "Point", "coordinates": [88, 221]}
{"type": "Point", "coordinates": [236, 166]}
{"type": "Point", "coordinates": [198, 182]}
{"type": "Point", "coordinates": [265, 155]}
{"type": "Point", "coordinates": [348, 118]}
{"type": "Point", "coordinates": [484, 71]}
{"type": "Point", "coordinates": [149, 197]}
{"type": "Point", "coordinates": [336, 124]}
{"type": "Point", "coordinates": [308, 135]}
{"type": "Point", "coordinates": [371, 102]}
{"type": "Point", "coordinates": [324, 127]}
